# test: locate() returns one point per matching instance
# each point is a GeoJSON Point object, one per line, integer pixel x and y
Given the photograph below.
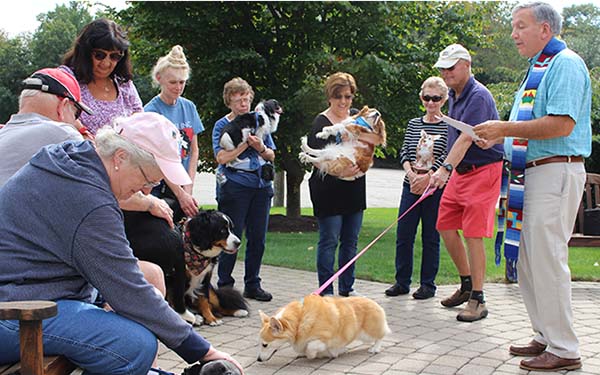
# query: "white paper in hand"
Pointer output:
{"type": "Point", "coordinates": [465, 128]}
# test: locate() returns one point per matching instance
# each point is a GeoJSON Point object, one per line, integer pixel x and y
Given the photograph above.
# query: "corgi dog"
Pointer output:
{"type": "Point", "coordinates": [359, 135]}
{"type": "Point", "coordinates": [319, 326]}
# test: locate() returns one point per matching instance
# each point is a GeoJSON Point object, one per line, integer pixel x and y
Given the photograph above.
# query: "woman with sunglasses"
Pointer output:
{"type": "Point", "coordinates": [99, 59]}
{"type": "Point", "coordinates": [422, 153]}
{"type": "Point", "coordinates": [338, 203]}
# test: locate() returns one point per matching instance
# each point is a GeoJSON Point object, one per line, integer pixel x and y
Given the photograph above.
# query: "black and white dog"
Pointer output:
{"type": "Point", "coordinates": [218, 367]}
{"type": "Point", "coordinates": [264, 120]}
{"type": "Point", "coordinates": [205, 237]}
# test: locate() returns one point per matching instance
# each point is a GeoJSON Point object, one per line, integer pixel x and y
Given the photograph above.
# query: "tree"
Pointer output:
{"type": "Point", "coordinates": [14, 67]}
{"type": "Point", "coordinates": [286, 49]}
{"type": "Point", "coordinates": [57, 31]}
{"type": "Point", "coordinates": [581, 27]}
{"type": "Point", "coordinates": [24, 54]}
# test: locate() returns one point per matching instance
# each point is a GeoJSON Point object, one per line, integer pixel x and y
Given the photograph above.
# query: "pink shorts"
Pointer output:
{"type": "Point", "coordinates": [469, 201]}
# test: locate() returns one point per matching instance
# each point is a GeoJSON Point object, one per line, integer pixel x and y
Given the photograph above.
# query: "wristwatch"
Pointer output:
{"type": "Point", "coordinates": [448, 167]}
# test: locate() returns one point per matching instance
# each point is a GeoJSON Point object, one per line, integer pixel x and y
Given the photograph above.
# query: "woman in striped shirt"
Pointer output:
{"type": "Point", "coordinates": [422, 153]}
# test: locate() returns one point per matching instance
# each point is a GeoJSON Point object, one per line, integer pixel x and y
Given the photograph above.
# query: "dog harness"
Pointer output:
{"type": "Point", "coordinates": [195, 262]}
{"type": "Point", "coordinates": [360, 120]}
{"type": "Point", "coordinates": [513, 172]}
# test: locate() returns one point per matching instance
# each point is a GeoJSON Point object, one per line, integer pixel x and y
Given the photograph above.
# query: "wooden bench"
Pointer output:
{"type": "Point", "coordinates": [30, 315]}
{"type": "Point", "coordinates": [590, 201]}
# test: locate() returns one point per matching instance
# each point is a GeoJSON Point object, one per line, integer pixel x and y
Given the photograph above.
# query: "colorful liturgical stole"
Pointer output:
{"type": "Point", "coordinates": [513, 174]}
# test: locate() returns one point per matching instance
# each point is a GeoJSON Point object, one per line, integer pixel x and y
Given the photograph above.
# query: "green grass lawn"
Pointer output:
{"type": "Point", "coordinates": [297, 250]}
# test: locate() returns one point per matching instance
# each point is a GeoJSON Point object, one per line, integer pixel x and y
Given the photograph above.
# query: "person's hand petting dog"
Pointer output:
{"type": "Point", "coordinates": [214, 354]}
{"type": "Point", "coordinates": [187, 202]}
{"type": "Point", "coordinates": [160, 208]}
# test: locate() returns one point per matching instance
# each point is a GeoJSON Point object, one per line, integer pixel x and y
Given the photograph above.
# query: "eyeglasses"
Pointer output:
{"type": "Point", "coordinates": [435, 98]}
{"type": "Point", "coordinates": [78, 108]}
{"type": "Point", "coordinates": [347, 97]}
{"type": "Point", "coordinates": [149, 184]}
{"type": "Point", "coordinates": [101, 55]}
{"type": "Point", "coordinates": [242, 100]}
{"type": "Point", "coordinates": [78, 111]}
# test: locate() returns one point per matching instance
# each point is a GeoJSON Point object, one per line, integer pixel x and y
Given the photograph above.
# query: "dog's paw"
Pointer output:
{"type": "Point", "coordinates": [216, 322]}
{"type": "Point", "coordinates": [334, 353]}
{"type": "Point", "coordinates": [189, 317]}
{"type": "Point", "coordinates": [240, 313]}
{"type": "Point", "coordinates": [322, 135]}
{"type": "Point", "coordinates": [199, 320]}
{"type": "Point", "coordinates": [376, 348]}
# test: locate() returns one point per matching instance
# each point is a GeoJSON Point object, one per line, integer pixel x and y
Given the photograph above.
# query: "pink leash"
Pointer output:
{"type": "Point", "coordinates": [428, 191]}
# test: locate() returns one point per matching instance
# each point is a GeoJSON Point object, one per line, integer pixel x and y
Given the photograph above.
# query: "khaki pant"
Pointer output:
{"type": "Point", "coordinates": [553, 193]}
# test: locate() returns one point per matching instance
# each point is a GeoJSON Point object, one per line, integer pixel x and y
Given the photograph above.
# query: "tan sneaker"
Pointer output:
{"type": "Point", "coordinates": [458, 298]}
{"type": "Point", "coordinates": [473, 311]}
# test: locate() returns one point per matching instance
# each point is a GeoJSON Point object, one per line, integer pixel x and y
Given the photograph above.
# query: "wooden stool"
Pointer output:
{"type": "Point", "coordinates": [30, 315]}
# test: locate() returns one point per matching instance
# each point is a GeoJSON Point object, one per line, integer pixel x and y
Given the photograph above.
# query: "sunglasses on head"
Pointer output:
{"type": "Point", "coordinates": [101, 55]}
{"type": "Point", "coordinates": [435, 98]}
{"type": "Point", "coordinates": [347, 97]}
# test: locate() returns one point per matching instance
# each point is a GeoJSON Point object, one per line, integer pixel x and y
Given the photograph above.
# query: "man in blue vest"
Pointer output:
{"type": "Point", "coordinates": [550, 123]}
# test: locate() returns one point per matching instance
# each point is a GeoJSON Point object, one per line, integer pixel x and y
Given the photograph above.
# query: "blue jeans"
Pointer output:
{"type": "Point", "coordinates": [425, 212]}
{"type": "Point", "coordinates": [98, 341]}
{"type": "Point", "coordinates": [333, 229]}
{"type": "Point", "coordinates": [249, 209]}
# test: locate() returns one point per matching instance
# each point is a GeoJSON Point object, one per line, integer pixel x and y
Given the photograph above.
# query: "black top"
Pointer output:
{"type": "Point", "coordinates": [330, 195]}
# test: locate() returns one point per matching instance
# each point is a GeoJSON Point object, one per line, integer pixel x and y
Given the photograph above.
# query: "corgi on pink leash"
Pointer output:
{"type": "Point", "coordinates": [323, 326]}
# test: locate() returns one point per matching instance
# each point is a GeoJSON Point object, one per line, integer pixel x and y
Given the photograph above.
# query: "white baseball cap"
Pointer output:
{"type": "Point", "coordinates": [450, 56]}
{"type": "Point", "coordinates": [154, 133]}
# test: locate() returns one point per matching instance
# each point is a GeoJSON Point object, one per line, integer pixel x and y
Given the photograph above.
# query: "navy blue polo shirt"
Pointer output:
{"type": "Point", "coordinates": [474, 106]}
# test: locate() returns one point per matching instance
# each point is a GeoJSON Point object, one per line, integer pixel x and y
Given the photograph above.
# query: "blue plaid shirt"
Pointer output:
{"type": "Point", "coordinates": [564, 90]}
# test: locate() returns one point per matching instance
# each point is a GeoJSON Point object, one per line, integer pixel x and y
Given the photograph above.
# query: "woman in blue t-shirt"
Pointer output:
{"type": "Point", "coordinates": [171, 73]}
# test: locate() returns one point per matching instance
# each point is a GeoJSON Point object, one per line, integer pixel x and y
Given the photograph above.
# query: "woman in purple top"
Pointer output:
{"type": "Point", "coordinates": [99, 59]}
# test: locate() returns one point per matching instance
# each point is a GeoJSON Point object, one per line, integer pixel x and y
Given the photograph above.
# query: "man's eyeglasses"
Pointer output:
{"type": "Point", "coordinates": [101, 55]}
{"type": "Point", "coordinates": [78, 108]}
{"type": "Point", "coordinates": [347, 97]}
{"type": "Point", "coordinates": [435, 98]}
{"type": "Point", "coordinates": [78, 111]}
{"type": "Point", "coordinates": [149, 184]}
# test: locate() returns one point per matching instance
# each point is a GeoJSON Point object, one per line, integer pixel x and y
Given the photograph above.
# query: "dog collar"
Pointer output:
{"type": "Point", "coordinates": [195, 262]}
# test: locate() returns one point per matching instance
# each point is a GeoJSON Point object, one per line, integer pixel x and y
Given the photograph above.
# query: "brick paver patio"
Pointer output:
{"type": "Point", "coordinates": [426, 338]}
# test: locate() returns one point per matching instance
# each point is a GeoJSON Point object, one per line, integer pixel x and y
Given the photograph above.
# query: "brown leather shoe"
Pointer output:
{"type": "Point", "coordinates": [458, 298]}
{"type": "Point", "coordinates": [473, 311]}
{"type": "Point", "coordinates": [533, 349]}
{"type": "Point", "coordinates": [550, 362]}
